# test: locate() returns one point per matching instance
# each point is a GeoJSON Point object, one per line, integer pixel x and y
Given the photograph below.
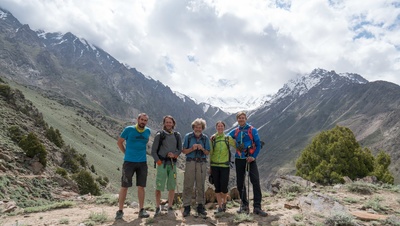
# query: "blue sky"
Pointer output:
{"type": "Point", "coordinates": [227, 48]}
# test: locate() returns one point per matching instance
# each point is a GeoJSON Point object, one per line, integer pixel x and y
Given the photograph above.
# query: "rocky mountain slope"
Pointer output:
{"type": "Point", "coordinates": [318, 102]}
{"type": "Point", "coordinates": [73, 67]}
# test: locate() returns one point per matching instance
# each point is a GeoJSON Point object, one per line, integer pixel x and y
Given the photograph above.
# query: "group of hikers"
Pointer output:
{"type": "Point", "coordinates": [196, 146]}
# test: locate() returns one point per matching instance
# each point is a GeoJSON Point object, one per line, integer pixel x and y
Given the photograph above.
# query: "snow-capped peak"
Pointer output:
{"type": "Point", "coordinates": [303, 83]}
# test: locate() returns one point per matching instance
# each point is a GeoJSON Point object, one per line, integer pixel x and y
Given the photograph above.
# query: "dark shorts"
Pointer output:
{"type": "Point", "coordinates": [221, 178]}
{"type": "Point", "coordinates": [130, 168]}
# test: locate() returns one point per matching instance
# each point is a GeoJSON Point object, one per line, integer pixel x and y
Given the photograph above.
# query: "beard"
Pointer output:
{"type": "Point", "coordinates": [141, 125]}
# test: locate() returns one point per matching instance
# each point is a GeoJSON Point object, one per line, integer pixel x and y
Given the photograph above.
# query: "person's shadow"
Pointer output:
{"type": "Point", "coordinates": [137, 221]}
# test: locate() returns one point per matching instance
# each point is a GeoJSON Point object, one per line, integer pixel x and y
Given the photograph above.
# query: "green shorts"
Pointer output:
{"type": "Point", "coordinates": [166, 176]}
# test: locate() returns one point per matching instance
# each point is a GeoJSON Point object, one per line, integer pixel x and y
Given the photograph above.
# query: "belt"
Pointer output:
{"type": "Point", "coordinates": [196, 159]}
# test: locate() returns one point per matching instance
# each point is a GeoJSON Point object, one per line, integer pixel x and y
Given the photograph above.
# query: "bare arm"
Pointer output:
{"type": "Point", "coordinates": [121, 145]}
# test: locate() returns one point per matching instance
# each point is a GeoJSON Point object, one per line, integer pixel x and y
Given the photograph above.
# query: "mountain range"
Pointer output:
{"type": "Point", "coordinates": [72, 69]}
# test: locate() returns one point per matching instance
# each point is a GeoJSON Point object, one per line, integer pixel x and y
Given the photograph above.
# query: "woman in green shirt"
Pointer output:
{"type": "Point", "coordinates": [220, 160]}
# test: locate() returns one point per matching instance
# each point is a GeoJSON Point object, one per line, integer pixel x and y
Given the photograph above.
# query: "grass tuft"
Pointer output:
{"type": "Point", "coordinates": [58, 205]}
{"type": "Point", "coordinates": [342, 219]}
{"type": "Point", "coordinates": [240, 218]}
{"type": "Point", "coordinates": [362, 188]}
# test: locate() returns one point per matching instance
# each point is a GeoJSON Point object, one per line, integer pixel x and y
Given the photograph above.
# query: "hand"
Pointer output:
{"type": "Point", "coordinates": [159, 162]}
{"type": "Point", "coordinates": [250, 159]}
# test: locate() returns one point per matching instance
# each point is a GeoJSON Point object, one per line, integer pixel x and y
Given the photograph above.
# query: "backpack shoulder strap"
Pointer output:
{"type": "Point", "coordinates": [189, 138]}
{"type": "Point", "coordinates": [177, 139]}
{"type": "Point", "coordinates": [236, 132]}
{"type": "Point", "coordinates": [162, 137]}
{"type": "Point", "coordinates": [250, 133]}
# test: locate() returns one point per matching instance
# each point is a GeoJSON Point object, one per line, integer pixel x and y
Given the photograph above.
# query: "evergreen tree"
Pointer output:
{"type": "Point", "coordinates": [332, 155]}
{"type": "Point", "coordinates": [381, 171]}
{"type": "Point", "coordinates": [33, 147]}
{"type": "Point", "coordinates": [86, 183]}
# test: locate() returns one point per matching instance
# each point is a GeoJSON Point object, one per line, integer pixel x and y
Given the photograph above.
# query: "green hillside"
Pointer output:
{"type": "Point", "coordinates": [97, 144]}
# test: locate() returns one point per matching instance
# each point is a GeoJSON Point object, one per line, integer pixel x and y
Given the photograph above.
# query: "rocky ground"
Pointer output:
{"type": "Point", "coordinates": [293, 204]}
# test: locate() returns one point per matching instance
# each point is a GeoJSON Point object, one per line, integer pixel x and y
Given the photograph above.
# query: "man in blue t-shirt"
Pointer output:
{"type": "Point", "coordinates": [135, 139]}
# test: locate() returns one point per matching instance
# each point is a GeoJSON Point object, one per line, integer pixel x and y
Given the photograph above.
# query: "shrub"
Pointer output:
{"type": "Point", "coordinates": [92, 169]}
{"type": "Point", "coordinates": [375, 204]}
{"type": "Point", "coordinates": [33, 147]}
{"type": "Point", "coordinates": [381, 168]}
{"type": "Point", "coordinates": [340, 219]}
{"type": "Point", "coordinates": [332, 155]}
{"type": "Point", "coordinates": [86, 183]}
{"type": "Point", "coordinates": [102, 181]}
{"type": "Point", "coordinates": [54, 136]}
{"type": "Point", "coordinates": [15, 133]}
{"type": "Point", "coordinates": [5, 91]}
{"type": "Point", "coordinates": [72, 159]}
{"type": "Point", "coordinates": [361, 188]}
{"type": "Point", "coordinates": [62, 172]}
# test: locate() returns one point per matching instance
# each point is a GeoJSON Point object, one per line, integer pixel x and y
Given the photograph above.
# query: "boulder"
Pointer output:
{"type": "Point", "coordinates": [210, 195]}
{"type": "Point", "coordinates": [320, 204]}
{"type": "Point", "coordinates": [234, 194]}
{"type": "Point", "coordinates": [288, 180]}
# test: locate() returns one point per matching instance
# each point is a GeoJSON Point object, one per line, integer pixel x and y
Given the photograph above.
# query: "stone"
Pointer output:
{"type": "Point", "coordinates": [362, 215]}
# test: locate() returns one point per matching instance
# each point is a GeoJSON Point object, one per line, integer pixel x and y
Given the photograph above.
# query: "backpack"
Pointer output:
{"type": "Point", "coordinates": [227, 145]}
{"type": "Point", "coordinates": [162, 138]}
{"type": "Point", "coordinates": [250, 133]}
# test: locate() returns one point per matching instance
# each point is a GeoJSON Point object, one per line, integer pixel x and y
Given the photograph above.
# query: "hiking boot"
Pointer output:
{"type": "Point", "coordinates": [119, 215]}
{"type": "Point", "coordinates": [260, 212]}
{"type": "Point", "coordinates": [219, 210]}
{"type": "Point", "coordinates": [243, 209]}
{"type": "Point", "coordinates": [171, 211]}
{"type": "Point", "coordinates": [158, 212]}
{"type": "Point", "coordinates": [186, 211]}
{"type": "Point", "coordinates": [143, 213]}
{"type": "Point", "coordinates": [201, 210]}
{"type": "Point", "coordinates": [224, 207]}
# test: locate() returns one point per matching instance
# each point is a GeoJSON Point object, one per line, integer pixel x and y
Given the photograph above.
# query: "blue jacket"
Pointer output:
{"type": "Point", "coordinates": [243, 137]}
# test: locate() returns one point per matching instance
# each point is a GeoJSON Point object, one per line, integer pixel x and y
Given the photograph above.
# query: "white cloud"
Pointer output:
{"type": "Point", "coordinates": [254, 46]}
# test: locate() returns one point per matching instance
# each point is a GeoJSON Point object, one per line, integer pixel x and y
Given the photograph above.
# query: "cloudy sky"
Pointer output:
{"type": "Point", "coordinates": [230, 48]}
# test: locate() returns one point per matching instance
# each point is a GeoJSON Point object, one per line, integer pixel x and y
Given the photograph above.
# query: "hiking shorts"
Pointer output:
{"type": "Point", "coordinates": [167, 176]}
{"type": "Point", "coordinates": [221, 178]}
{"type": "Point", "coordinates": [130, 168]}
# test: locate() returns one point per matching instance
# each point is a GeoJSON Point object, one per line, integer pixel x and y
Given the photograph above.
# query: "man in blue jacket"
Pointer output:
{"type": "Point", "coordinates": [247, 148]}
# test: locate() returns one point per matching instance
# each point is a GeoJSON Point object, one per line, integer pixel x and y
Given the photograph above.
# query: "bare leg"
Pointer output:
{"type": "Point", "coordinates": [219, 199]}
{"type": "Point", "coordinates": [171, 195]}
{"type": "Point", "coordinates": [121, 198]}
{"type": "Point", "coordinates": [223, 197]}
{"type": "Point", "coordinates": [158, 198]}
{"type": "Point", "coordinates": [141, 194]}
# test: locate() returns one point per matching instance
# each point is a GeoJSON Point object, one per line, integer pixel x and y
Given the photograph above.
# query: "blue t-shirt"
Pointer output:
{"type": "Point", "coordinates": [136, 143]}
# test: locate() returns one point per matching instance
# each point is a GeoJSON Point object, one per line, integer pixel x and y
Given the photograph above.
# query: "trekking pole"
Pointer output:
{"type": "Point", "coordinates": [243, 189]}
{"type": "Point", "coordinates": [248, 181]}
{"type": "Point", "coordinates": [176, 181]}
